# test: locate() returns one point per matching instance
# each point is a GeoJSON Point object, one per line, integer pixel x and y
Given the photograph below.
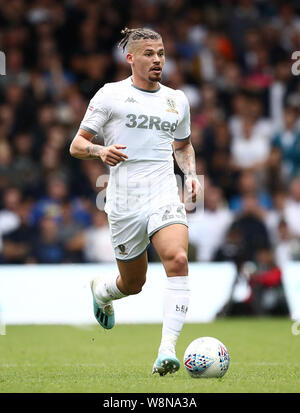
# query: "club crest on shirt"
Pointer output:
{"type": "Point", "coordinates": [171, 105]}
{"type": "Point", "coordinates": [122, 249]}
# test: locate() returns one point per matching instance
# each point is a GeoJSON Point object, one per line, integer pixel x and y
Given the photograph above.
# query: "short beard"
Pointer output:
{"type": "Point", "coordinates": [155, 78]}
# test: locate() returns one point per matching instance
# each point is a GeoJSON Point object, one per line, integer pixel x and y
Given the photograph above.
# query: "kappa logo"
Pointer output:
{"type": "Point", "coordinates": [171, 106]}
{"type": "Point", "coordinates": [131, 100]}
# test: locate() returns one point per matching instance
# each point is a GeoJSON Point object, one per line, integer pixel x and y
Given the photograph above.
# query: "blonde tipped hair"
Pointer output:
{"type": "Point", "coordinates": [132, 35]}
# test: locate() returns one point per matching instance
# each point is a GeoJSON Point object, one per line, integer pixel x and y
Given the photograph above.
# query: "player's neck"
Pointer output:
{"type": "Point", "coordinates": [143, 84]}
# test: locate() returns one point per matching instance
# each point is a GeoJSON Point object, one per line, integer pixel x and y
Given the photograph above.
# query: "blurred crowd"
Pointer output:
{"type": "Point", "coordinates": [233, 60]}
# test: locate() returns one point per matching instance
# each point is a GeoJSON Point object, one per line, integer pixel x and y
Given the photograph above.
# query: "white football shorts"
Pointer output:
{"type": "Point", "coordinates": [131, 233]}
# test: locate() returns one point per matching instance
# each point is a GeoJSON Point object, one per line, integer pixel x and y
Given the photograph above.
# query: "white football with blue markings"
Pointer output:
{"type": "Point", "coordinates": [206, 357]}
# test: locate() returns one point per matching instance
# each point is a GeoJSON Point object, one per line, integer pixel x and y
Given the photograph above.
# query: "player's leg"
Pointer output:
{"type": "Point", "coordinates": [130, 241]}
{"type": "Point", "coordinates": [105, 289]}
{"type": "Point", "coordinates": [129, 281]}
{"type": "Point", "coordinates": [171, 243]}
{"type": "Point", "coordinates": [132, 275]}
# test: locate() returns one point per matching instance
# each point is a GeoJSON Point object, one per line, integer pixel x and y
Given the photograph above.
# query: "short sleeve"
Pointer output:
{"type": "Point", "coordinates": [183, 130]}
{"type": "Point", "coordinates": [97, 113]}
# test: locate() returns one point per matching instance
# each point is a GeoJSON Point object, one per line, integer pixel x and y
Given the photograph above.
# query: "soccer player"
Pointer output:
{"type": "Point", "coordinates": [143, 123]}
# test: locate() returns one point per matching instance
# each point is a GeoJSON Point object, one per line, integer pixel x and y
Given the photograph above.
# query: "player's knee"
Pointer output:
{"type": "Point", "coordinates": [181, 262]}
{"type": "Point", "coordinates": [178, 263]}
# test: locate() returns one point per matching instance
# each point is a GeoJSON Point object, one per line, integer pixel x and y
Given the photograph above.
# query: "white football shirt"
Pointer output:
{"type": "Point", "coordinates": [146, 122]}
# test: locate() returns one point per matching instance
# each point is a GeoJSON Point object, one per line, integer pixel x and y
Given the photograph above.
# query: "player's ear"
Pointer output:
{"type": "Point", "coordinates": [129, 58]}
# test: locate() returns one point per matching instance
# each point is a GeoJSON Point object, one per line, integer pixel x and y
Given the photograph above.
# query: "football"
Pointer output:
{"type": "Point", "coordinates": [206, 357]}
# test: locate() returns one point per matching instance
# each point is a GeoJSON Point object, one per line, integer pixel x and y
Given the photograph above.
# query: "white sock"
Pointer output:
{"type": "Point", "coordinates": [108, 290]}
{"type": "Point", "coordinates": [176, 301]}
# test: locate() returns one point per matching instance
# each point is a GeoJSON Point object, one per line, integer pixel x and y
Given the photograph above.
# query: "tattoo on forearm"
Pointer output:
{"type": "Point", "coordinates": [93, 150]}
{"type": "Point", "coordinates": [185, 158]}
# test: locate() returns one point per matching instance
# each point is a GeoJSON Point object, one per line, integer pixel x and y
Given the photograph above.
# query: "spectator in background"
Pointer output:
{"type": "Point", "coordinates": [6, 121]}
{"type": "Point", "coordinates": [55, 77]}
{"type": "Point", "coordinates": [15, 70]}
{"type": "Point", "coordinates": [207, 228]}
{"type": "Point", "coordinates": [244, 15]}
{"type": "Point", "coordinates": [251, 141]}
{"type": "Point", "coordinates": [7, 174]}
{"type": "Point", "coordinates": [258, 289]}
{"type": "Point", "coordinates": [230, 87]}
{"type": "Point", "coordinates": [57, 192]}
{"type": "Point", "coordinates": [25, 168]}
{"type": "Point", "coordinates": [56, 136]}
{"type": "Point", "coordinates": [233, 248]}
{"type": "Point", "coordinates": [236, 111]}
{"type": "Point", "coordinates": [205, 58]}
{"type": "Point", "coordinates": [251, 225]}
{"type": "Point", "coordinates": [219, 159]}
{"type": "Point", "coordinates": [212, 146]}
{"type": "Point", "coordinates": [22, 105]}
{"type": "Point", "coordinates": [49, 205]}
{"type": "Point", "coordinates": [211, 59]}
{"type": "Point", "coordinates": [248, 185]}
{"type": "Point", "coordinates": [184, 46]}
{"type": "Point", "coordinates": [51, 164]}
{"type": "Point", "coordinates": [69, 228]}
{"type": "Point", "coordinates": [267, 295]}
{"type": "Point", "coordinates": [210, 111]}
{"type": "Point", "coordinates": [9, 217]}
{"type": "Point", "coordinates": [253, 41]}
{"type": "Point", "coordinates": [37, 90]}
{"type": "Point", "coordinates": [17, 244]}
{"type": "Point", "coordinates": [46, 247]}
{"type": "Point", "coordinates": [46, 116]}
{"type": "Point", "coordinates": [287, 23]}
{"type": "Point", "coordinates": [286, 146]}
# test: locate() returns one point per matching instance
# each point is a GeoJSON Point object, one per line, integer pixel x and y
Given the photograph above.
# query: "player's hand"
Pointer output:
{"type": "Point", "coordinates": [193, 186]}
{"type": "Point", "coordinates": [111, 155]}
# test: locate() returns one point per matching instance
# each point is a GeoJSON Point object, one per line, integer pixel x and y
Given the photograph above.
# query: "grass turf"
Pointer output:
{"type": "Point", "coordinates": [264, 358]}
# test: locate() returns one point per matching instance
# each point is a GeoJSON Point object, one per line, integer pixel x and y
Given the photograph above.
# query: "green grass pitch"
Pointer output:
{"type": "Point", "coordinates": [264, 358]}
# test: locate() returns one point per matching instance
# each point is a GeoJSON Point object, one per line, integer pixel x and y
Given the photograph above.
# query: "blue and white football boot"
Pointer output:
{"type": "Point", "coordinates": [103, 311]}
{"type": "Point", "coordinates": [165, 364]}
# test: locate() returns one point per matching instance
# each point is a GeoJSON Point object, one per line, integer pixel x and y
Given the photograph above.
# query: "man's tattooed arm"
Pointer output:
{"type": "Point", "coordinates": [185, 157]}
{"type": "Point", "coordinates": [93, 151]}
{"type": "Point", "coordinates": [82, 148]}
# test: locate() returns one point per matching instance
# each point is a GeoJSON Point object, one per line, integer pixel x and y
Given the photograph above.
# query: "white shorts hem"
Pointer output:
{"type": "Point", "coordinates": [135, 257]}
{"type": "Point", "coordinates": [166, 225]}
